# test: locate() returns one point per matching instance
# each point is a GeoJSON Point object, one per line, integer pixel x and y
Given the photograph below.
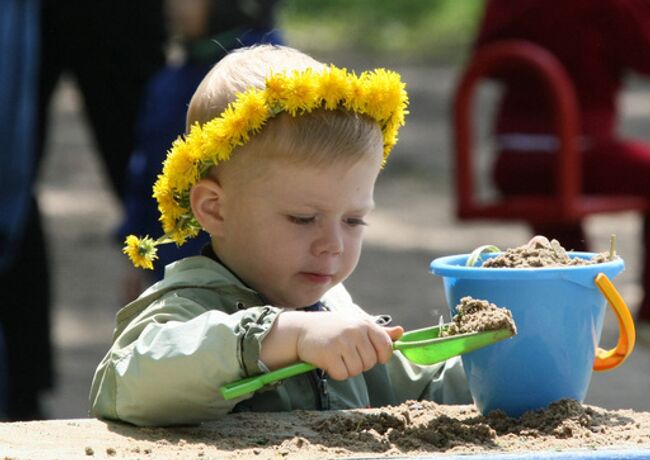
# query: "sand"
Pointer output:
{"type": "Point", "coordinates": [476, 315]}
{"type": "Point", "coordinates": [540, 252]}
{"type": "Point", "coordinates": [410, 429]}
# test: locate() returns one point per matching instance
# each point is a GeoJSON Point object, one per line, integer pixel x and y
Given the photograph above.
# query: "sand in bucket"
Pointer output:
{"type": "Point", "coordinates": [559, 312]}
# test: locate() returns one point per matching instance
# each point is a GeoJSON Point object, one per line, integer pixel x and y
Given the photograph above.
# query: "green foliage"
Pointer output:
{"type": "Point", "coordinates": [414, 29]}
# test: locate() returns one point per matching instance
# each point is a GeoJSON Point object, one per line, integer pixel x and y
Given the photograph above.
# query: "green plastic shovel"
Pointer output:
{"type": "Point", "coordinates": [421, 346]}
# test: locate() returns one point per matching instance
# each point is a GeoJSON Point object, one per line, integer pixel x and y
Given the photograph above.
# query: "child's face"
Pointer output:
{"type": "Point", "coordinates": [297, 231]}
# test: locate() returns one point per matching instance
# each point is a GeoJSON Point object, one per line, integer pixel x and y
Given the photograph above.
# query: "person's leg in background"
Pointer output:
{"type": "Point", "coordinates": [25, 282]}
{"type": "Point", "coordinates": [26, 312]}
{"type": "Point", "coordinates": [4, 377]}
{"type": "Point", "coordinates": [126, 40]}
{"type": "Point", "coordinates": [25, 318]}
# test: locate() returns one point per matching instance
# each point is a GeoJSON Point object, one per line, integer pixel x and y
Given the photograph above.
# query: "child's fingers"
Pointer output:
{"type": "Point", "coordinates": [358, 353]}
{"type": "Point", "coordinates": [353, 363]}
{"type": "Point", "coordinates": [337, 369]}
{"type": "Point", "coordinates": [394, 332]}
{"type": "Point", "coordinates": [382, 342]}
{"type": "Point", "coordinates": [368, 354]}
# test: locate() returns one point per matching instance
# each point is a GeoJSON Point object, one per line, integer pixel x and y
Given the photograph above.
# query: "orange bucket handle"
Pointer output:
{"type": "Point", "coordinates": [609, 359]}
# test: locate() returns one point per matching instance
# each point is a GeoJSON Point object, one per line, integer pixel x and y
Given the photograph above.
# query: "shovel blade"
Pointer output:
{"type": "Point", "coordinates": [420, 350]}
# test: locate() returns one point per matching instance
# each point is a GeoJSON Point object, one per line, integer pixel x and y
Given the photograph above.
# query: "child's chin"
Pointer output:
{"type": "Point", "coordinates": [304, 301]}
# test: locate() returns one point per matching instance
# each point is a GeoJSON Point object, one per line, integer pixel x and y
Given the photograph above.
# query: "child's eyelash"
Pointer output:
{"type": "Point", "coordinates": [355, 221]}
{"type": "Point", "coordinates": [301, 220]}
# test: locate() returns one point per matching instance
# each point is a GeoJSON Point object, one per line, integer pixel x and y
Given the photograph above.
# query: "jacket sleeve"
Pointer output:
{"type": "Point", "coordinates": [166, 367]}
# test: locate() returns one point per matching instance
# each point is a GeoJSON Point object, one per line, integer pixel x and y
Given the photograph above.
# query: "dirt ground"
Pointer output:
{"type": "Point", "coordinates": [412, 225]}
{"type": "Point", "coordinates": [410, 429]}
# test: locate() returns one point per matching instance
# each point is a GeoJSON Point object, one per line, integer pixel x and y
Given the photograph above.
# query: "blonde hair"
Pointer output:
{"type": "Point", "coordinates": [317, 138]}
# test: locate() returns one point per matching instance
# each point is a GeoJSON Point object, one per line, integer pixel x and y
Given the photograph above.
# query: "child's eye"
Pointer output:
{"type": "Point", "coordinates": [355, 221]}
{"type": "Point", "coordinates": [300, 220]}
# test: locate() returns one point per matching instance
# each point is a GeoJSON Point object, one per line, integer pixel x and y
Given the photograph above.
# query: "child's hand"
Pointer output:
{"type": "Point", "coordinates": [343, 346]}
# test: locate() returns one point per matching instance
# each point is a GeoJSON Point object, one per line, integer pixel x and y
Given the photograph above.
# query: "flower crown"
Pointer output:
{"type": "Point", "coordinates": [379, 94]}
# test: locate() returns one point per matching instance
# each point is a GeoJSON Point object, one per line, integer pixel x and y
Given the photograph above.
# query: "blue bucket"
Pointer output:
{"type": "Point", "coordinates": [559, 314]}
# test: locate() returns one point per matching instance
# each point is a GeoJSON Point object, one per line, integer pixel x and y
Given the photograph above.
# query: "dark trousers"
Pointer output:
{"type": "Point", "coordinates": [25, 319]}
{"type": "Point", "coordinates": [111, 49]}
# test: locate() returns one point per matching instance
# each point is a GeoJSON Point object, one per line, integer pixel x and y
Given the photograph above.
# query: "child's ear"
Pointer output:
{"type": "Point", "coordinates": [206, 199]}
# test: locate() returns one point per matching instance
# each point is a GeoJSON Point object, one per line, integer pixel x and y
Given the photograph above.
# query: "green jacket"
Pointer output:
{"type": "Point", "coordinates": [201, 327]}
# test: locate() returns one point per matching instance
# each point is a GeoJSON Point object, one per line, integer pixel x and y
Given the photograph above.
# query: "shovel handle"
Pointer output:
{"type": "Point", "coordinates": [252, 384]}
{"type": "Point", "coordinates": [609, 359]}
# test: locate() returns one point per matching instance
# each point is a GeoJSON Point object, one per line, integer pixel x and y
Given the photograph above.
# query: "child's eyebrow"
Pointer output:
{"type": "Point", "coordinates": [367, 208]}
{"type": "Point", "coordinates": [359, 209]}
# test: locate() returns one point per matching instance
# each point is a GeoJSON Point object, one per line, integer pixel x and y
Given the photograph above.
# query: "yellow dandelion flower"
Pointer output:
{"type": "Point", "coordinates": [390, 139]}
{"type": "Point", "coordinates": [235, 126]}
{"type": "Point", "coordinates": [216, 142]}
{"type": "Point", "coordinates": [182, 234]}
{"type": "Point", "coordinates": [276, 88]}
{"type": "Point", "coordinates": [386, 89]}
{"type": "Point", "coordinates": [397, 97]}
{"type": "Point", "coordinates": [252, 107]}
{"type": "Point", "coordinates": [170, 207]}
{"type": "Point", "coordinates": [161, 187]}
{"type": "Point", "coordinates": [180, 166]}
{"type": "Point", "coordinates": [184, 227]}
{"type": "Point", "coordinates": [397, 119]}
{"type": "Point", "coordinates": [167, 203]}
{"type": "Point", "coordinates": [355, 99]}
{"type": "Point", "coordinates": [168, 222]}
{"type": "Point", "coordinates": [141, 251]}
{"type": "Point", "coordinates": [302, 94]}
{"type": "Point", "coordinates": [334, 85]}
{"type": "Point", "coordinates": [194, 144]}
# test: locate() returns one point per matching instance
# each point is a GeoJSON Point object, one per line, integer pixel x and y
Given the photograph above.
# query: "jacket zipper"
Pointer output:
{"type": "Point", "coordinates": [318, 379]}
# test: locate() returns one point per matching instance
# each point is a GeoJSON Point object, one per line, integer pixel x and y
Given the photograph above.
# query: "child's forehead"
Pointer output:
{"type": "Point", "coordinates": [320, 185]}
{"type": "Point", "coordinates": [263, 163]}
{"type": "Point", "coordinates": [321, 170]}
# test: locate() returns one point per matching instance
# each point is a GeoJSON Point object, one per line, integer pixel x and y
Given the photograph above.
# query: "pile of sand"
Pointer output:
{"type": "Point", "coordinates": [412, 428]}
{"type": "Point", "coordinates": [540, 252]}
{"type": "Point", "coordinates": [475, 315]}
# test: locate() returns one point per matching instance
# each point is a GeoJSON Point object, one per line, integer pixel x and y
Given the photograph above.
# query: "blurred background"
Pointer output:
{"type": "Point", "coordinates": [428, 42]}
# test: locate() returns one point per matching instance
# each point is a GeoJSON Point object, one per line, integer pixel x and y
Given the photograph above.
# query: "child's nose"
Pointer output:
{"type": "Point", "coordinates": [329, 241]}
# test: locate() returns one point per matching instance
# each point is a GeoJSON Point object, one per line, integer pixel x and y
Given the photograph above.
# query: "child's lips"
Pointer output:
{"type": "Point", "coordinates": [317, 278]}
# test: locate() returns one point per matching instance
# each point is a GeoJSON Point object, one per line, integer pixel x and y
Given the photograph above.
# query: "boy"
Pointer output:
{"type": "Point", "coordinates": [279, 168]}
